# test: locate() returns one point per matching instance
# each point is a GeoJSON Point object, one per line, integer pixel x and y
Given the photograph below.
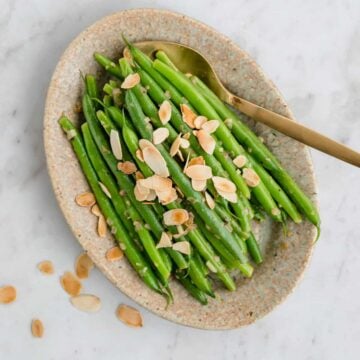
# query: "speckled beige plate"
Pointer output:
{"type": "Point", "coordinates": [285, 259]}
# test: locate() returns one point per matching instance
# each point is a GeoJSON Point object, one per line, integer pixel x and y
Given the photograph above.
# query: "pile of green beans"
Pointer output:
{"type": "Point", "coordinates": [220, 239]}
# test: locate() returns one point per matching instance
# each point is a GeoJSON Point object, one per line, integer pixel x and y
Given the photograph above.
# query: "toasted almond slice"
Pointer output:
{"type": "Point", "coordinates": [175, 217]}
{"type": "Point", "coordinates": [115, 144]}
{"type": "Point", "coordinates": [86, 302]}
{"type": "Point", "coordinates": [186, 136]}
{"type": "Point", "coordinates": [102, 226]}
{"type": "Point", "coordinates": [210, 126]}
{"type": "Point", "coordinates": [165, 112]}
{"type": "Point", "coordinates": [223, 184]}
{"type": "Point", "coordinates": [188, 115]}
{"type": "Point", "coordinates": [156, 182]}
{"type": "Point", "coordinates": [209, 201]}
{"type": "Point", "coordinates": [95, 210]}
{"type": "Point", "coordinates": [105, 189]}
{"type": "Point", "coordinates": [187, 161]}
{"type": "Point", "coordinates": [160, 135]}
{"type": "Point", "coordinates": [199, 160]}
{"type": "Point", "coordinates": [151, 196]}
{"type": "Point", "coordinates": [155, 161]}
{"type": "Point", "coordinates": [240, 161]}
{"type": "Point", "coordinates": [182, 247]}
{"type": "Point", "coordinates": [198, 185]}
{"type": "Point", "coordinates": [131, 81]}
{"type": "Point", "coordinates": [127, 55]}
{"type": "Point", "coordinates": [70, 283]}
{"type": "Point", "coordinates": [184, 143]}
{"type": "Point", "coordinates": [165, 241]}
{"type": "Point", "coordinates": [199, 172]}
{"type": "Point", "coordinates": [85, 199]}
{"type": "Point", "coordinates": [200, 121]}
{"type": "Point", "coordinates": [114, 254]}
{"type": "Point", "coordinates": [175, 146]}
{"type": "Point", "coordinates": [143, 143]}
{"type": "Point", "coordinates": [139, 155]}
{"type": "Point", "coordinates": [167, 197]}
{"type": "Point", "coordinates": [129, 316]}
{"type": "Point", "coordinates": [127, 167]}
{"type": "Point", "coordinates": [232, 197]}
{"type": "Point", "coordinates": [46, 267]}
{"type": "Point", "coordinates": [7, 294]}
{"type": "Point", "coordinates": [140, 192]}
{"type": "Point", "coordinates": [37, 328]}
{"type": "Point", "coordinates": [139, 175]}
{"type": "Point", "coordinates": [83, 265]}
{"type": "Point", "coordinates": [180, 155]}
{"type": "Point", "coordinates": [206, 141]}
{"type": "Point", "coordinates": [252, 179]}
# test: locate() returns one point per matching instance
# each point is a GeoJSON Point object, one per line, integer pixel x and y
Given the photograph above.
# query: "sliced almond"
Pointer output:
{"type": "Point", "coordinates": [232, 197]}
{"type": "Point", "coordinates": [95, 210]}
{"type": "Point", "coordinates": [188, 115]}
{"type": "Point", "coordinates": [252, 179]}
{"type": "Point", "coordinates": [223, 184]}
{"type": "Point", "coordinates": [115, 144]}
{"type": "Point", "coordinates": [175, 217]}
{"type": "Point", "coordinates": [139, 155]}
{"type": "Point", "coordinates": [129, 316]}
{"type": "Point", "coordinates": [155, 161]}
{"type": "Point", "coordinates": [37, 328]}
{"type": "Point", "coordinates": [179, 153]}
{"type": "Point", "coordinates": [86, 302]}
{"type": "Point", "coordinates": [165, 241]}
{"type": "Point", "coordinates": [102, 226]}
{"type": "Point", "coordinates": [151, 196]}
{"type": "Point", "coordinates": [141, 193]}
{"type": "Point", "coordinates": [187, 161]}
{"type": "Point", "coordinates": [114, 254]}
{"type": "Point", "coordinates": [127, 55]}
{"type": "Point", "coordinates": [127, 167]}
{"type": "Point", "coordinates": [83, 265]}
{"type": "Point", "coordinates": [46, 267]}
{"type": "Point", "coordinates": [184, 143]}
{"type": "Point", "coordinates": [199, 172]}
{"type": "Point", "coordinates": [182, 247]}
{"type": "Point", "coordinates": [165, 112]}
{"type": "Point", "coordinates": [160, 135]}
{"type": "Point", "coordinates": [200, 121]}
{"type": "Point", "coordinates": [199, 160]}
{"type": "Point", "coordinates": [143, 143]}
{"type": "Point", "coordinates": [198, 185]}
{"type": "Point", "coordinates": [70, 283]}
{"type": "Point", "coordinates": [156, 182]}
{"type": "Point", "coordinates": [7, 294]}
{"type": "Point", "coordinates": [209, 201]}
{"type": "Point", "coordinates": [139, 175]}
{"type": "Point", "coordinates": [175, 146]}
{"type": "Point", "coordinates": [210, 126]}
{"type": "Point", "coordinates": [131, 81]}
{"type": "Point", "coordinates": [167, 197]}
{"type": "Point", "coordinates": [206, 141]}
{"type": "Point", "coordinates": [240, 161]}
{"type": "Point", "coordinates": [105, 189]}
{"type": "Point", "coordinates": [85, 199]}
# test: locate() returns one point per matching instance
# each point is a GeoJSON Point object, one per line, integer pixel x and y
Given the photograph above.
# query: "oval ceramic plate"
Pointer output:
{"type": "Point", "coordinates": [285, 258]}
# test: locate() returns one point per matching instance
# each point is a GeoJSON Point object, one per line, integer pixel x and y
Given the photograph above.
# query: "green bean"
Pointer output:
{"type": "Point", "coordinates": [161, 55]}
{"type": "Point", "coordinates": [107, 64]}
{"type": "Point", "coordinates": [91, 86]}
{"type": "Point", "coordinates": [193, 290]}
{"type": "Point", "coordinates": [254, 249]}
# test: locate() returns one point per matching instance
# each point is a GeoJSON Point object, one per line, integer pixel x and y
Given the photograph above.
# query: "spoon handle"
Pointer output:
{"type": "Point", "coordinates": [296, 131]}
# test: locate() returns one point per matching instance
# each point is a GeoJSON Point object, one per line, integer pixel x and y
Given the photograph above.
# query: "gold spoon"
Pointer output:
{"type": "Point", "coordinates": [189, 60]}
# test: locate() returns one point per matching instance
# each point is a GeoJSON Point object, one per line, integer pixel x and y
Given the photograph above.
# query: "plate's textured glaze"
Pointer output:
{"type": "Point", "coordinates": [285, 259]}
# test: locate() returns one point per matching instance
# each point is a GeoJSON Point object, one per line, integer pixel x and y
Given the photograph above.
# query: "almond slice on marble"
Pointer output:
{"type": "Point", "coordinates": [83, 265]}
{"type": "Point", "coordinates": [155, 161]}
{"type": "Point", "coordinates": [86, 302]}
{"type": "Point", "coordinates": [139, 155]}
{"type": "Point", "coordinates": [129, 316]}
{"type": "Point", "coordinates": [210, 126]}
{"type": "Point", "coordinates": [85, 199]}
{"type": "Point", "coordinates": [175, 217]}
{"type": "Point", "coordinates": [101, 226]}
{"type": "Point", "coordinates": [165, 112]}
{"type": "Point", "coordinates": [198, 185]}
{"type": "Point", "coordinates": [165, 241]}
{"type": "Point", "coordinates": [206, 141]}
{"type": "Point", "coordinates": [252, 179]}
{"type": "Point", "coordinates": [160, 135]}
{"type": "Point", "coordinates": [182, 247]}
{"type": "Point", "coordinates": [114, 254]}
{"type": "Point", "coordinates": [198, 172]}
{"type": "Point", "coordinates": [96, 210]}
{"type": "Point", "coordinates": [37, 328]}
{"type": "Point", "coordinates": [232, 197]}
{"type": "Point", "coordinates": [209, 201]}
{"type": "Point", "coordinates": [127, 167]}
{"type": "Point", "coordinates": [175, 146]}
{"type": "Point", "coordinates": [105, 189]}
{"type": "Point", "coordinates": [46, 267]}
{"type": "Point", "coordinates": [188, 115]}
{"type": "Point", "coordinates": [240, 161]}
{"type": "Point", "coordinates": [156, 182]}
{"type": "Point", "coordinates": [131, 81]}
{"type": "Point", "coordinates": [223, 184]}
{"type": "Point", "coordinates": [70, 283]}
{"type": "Point", "coordinates": [7, 294]}
{"type": "Point", "coordinates": [200, 121]}
{"type": "Point", "coordinates": [115, 144]}
{"type": "Point", "coordinates": [199, 160]}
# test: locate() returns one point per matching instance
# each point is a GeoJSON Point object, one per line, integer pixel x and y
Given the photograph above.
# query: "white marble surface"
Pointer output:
{"type": "Point", "coordinates": [312, 52]}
